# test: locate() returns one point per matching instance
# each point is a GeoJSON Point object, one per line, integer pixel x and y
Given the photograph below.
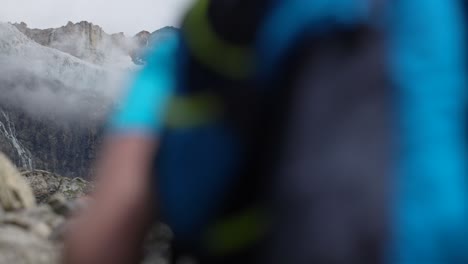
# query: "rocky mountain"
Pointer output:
{"type": "Point", "coordinates": [38, 142]}
{"type": "Point", "coordinates": [89, 42]}
{"type": "Point", "coordinates": [57, 87]}
{"type": "Point", "coordinates": [52, 105]}
{"type": "Point", "coordinates": [85, 41]}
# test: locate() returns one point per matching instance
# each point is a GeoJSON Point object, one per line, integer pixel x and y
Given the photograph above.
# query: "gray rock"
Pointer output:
{"type": "Point", "coordinates": [40, 220]}
{"type": "Point", "coordinates": [21, 246]}
{"type": "Point", "coordinates": [158, 244]}
{"type": "Point", "coordinates": [15, 193]}
{"type": "Point", "coordinates": [46, 184]}
{"type": "Point", "coordinates": [83, 40]}
{"type": "Point", "coordinates": [26, 236]}
{"type": "Point", "coordinates": [75, 188]}
{"type": "Point", "coordinates": [34, 234]}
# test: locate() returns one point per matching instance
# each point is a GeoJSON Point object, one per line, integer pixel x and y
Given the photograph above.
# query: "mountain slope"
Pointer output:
{"type": "Point", "coordinates": [52, 105]}
{"type": "Point", "coordinates": [56, 88]}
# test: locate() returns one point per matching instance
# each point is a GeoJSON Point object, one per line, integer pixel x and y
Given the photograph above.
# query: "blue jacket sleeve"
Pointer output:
{"type": "Point", "coordinates": [428, 66]}
{"type": "Point", "coordinates": [143, 108]}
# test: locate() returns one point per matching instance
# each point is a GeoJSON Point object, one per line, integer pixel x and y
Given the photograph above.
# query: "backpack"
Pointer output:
{"type": "Point", "coordinates": [308, 139]}
{"type": "Point", "coordinates": [222, 152]}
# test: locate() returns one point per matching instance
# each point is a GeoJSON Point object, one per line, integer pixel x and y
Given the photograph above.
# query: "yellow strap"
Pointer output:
{"type": "Point", "coordinates": [236, 233]}
{"type": "Point", "coordinates": [227, 59]}
{"type": "Point", "coordinates": [194, 110]}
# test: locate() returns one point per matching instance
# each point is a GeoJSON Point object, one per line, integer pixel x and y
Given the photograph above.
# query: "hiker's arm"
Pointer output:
{"type": "Point", "coordinates": [113, 228]}
{"type": "Point", "coordinates": [111, 231]}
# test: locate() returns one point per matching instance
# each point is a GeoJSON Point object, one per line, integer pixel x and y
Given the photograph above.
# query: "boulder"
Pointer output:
{"type": "Point", "coordinates": [41, 220]}
{"type": "Point", "coordinates": [45, 184]}
{"type": "Point", "coordinates": [26, 236]}
{"type": "Point", "coordinates": [15, 192]}
{"type": "Point", "coordinates": [20, 246]}
{"type": "Point", "coordinates": [34, 234]}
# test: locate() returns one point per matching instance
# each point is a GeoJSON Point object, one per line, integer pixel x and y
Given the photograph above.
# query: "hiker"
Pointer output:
{"type": "Point", "coordinates": [291, 132]}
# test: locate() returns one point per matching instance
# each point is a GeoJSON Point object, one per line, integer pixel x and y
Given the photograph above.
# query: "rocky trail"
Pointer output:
{"type": "Point", "coordinates": [35, 207]}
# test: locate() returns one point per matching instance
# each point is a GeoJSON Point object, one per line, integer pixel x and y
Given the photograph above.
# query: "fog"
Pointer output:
{"type": "Point", "coordinates": [49, 82]}
{"type": "Point", "coordinates": [45, 82]}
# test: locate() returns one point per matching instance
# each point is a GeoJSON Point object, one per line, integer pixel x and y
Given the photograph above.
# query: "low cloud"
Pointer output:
{"type": "Point", "coordinates": [45, 82]}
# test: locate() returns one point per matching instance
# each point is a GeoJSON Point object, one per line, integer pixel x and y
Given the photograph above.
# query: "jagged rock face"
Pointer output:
{"type": "Point", "coordinates": [52, 107]}
{"type": "Point", "coordinates": [85, 41]}
{"type": "Point", "coordinates": [89, 42]}
{"type": "Point", "coordinates": [81, 40]}
{"type": "Point", "coordinates": [41, 36]}
{"type": "Point", "coordinates": [26, 65]}
{"type": "Point", "coordinates": [67, 148]}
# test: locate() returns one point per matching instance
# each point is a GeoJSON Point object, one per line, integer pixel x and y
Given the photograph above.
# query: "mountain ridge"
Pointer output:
{"type": "Point", "coordinates": [58, 87]}
{"type": "Point", "coordinates": [53, 105]}
{"type": "Point", "coordinates": [91, 43]}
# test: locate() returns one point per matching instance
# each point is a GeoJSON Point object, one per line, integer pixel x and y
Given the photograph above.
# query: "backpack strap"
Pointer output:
{"type": "Point", "coordinates": [288, 20]}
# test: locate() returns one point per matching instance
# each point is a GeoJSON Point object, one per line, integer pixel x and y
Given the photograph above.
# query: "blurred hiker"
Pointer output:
{"type": "Point", "coordinates": [429, 68]}
{"type": "Point", "coordinates": [292, 132]}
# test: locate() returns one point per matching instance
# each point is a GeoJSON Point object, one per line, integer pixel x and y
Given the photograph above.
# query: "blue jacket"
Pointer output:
{"type": "Point", "coordinates": [426, 61]}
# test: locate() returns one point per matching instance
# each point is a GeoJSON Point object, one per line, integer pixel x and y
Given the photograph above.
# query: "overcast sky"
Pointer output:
{"type": "Point", "coordinates": [128, 16]}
